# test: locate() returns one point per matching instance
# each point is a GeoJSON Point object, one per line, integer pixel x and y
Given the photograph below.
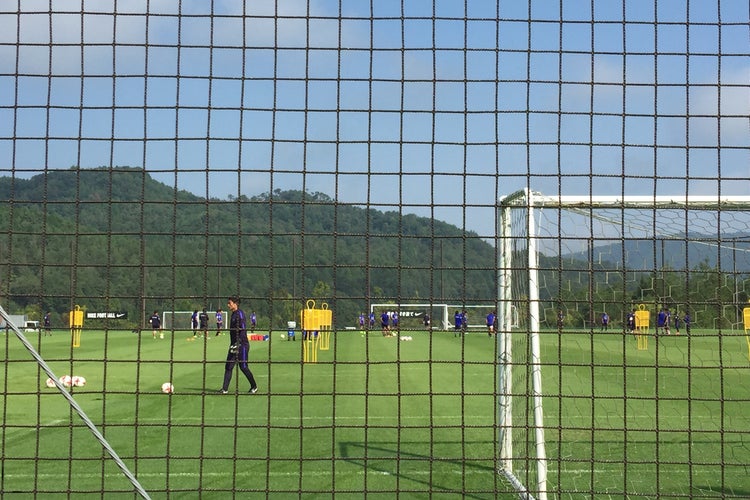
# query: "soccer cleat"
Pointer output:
{"type": "Point", "coordinates": [253, 390]}
{"type": "Point", "coordinates": [221, 391]}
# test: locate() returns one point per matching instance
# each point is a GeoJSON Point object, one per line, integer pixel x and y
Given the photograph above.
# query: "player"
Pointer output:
{"type": "Point", "coordinates": [630, 321]}
{"type": "Point", "coordinates": [194, 323]}
{"type": "Point", "coordinates": [605, 321]}
{"type": "Point", "coordinates": [457, 320]}
{"type": "Point", "coordinates": [667, 321]}
{"type": "Point", "coordinates": [394, 321]}
{"type": "Point", "coordinates": [253, 322]}
{"type": "Point", "coordinates": [491, 317]}
{"type": "Point", "coordinates": [47, 321]}
{"type": "Point", "coordinates": [687, 320]}
{"type": "Point", "coordinates": [661, 318]}
{"type": "Point", "coordinates": [426, 321]}
{"type": "Point", "coordinates": [372, 320]}
{"type": "Point", "coordinates": [560, 319]}
{"type": "Point", "coordinates": [384, 320]}
{"type": "Point", "coordinates": [677, 323]}
{"type": "Point", "coordinates": [219, 321]}
{"type": "Point", "coordinates": [361, 322]}
{"type": "Point", "coordinates": [239, 347]}
{"type": "Point", "coordinates": [155, 321]}
{"type": "Point", "coordinates": [203, 320]}
{"type": "Point", "coordinates": [464, 322]}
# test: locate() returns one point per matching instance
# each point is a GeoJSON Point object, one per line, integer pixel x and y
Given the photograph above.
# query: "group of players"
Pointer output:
{"type": "Point", "coordinates": [389, 322]}
{"type": "Point", "coordinates": [664, 320]}
{"type": "Point", "coordinates": [239, 344]}
{"type": "Point", "coordinates": [198, 324]}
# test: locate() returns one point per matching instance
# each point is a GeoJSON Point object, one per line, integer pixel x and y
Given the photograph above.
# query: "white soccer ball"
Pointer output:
{"type": "Point", "coordinates": [50, 383]}
{"type": "Point", "coordinates": [78, 381]}
{"type": "Point", "coordinates": [283, 336]}
{"type": "Point", "coordinates": [167, 388]}
{"type": "Point", "coordinates": [66, 380]}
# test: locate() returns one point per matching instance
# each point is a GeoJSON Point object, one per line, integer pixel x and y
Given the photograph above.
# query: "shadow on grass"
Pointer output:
{"type": "Point", "coordinates": [382, 456]}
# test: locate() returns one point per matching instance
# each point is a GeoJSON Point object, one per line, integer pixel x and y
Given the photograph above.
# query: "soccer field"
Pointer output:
{"type": "Point", "coordinates": [378, 415]}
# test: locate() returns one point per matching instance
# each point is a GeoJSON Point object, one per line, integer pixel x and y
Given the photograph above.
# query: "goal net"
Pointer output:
{"type": "Point", "coordinates": [441, 316]}
{"type": "Point", "coordinates": [574, 265]}
{"type": "Point", "coordinates": [178, 320]}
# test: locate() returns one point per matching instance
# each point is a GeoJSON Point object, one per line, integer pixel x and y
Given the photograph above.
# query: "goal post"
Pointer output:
{"type": "Point", "coordinates": [515, 368]}
{"type": "Point", "coordinates": [564, 262]}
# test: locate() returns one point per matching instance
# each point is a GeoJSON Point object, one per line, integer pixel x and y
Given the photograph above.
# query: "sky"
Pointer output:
{"type": "Point", "coordinates": [433, 108]}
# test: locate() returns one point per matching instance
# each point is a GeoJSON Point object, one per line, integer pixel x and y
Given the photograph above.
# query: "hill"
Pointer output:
{"type": "Point", "coordinates": [116, 239]}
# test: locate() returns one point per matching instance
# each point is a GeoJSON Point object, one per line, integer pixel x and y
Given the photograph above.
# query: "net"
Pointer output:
{"type": "Point", "coordinates": [165, 156]}
{"type": "Point", "coordinates": [619, 271]}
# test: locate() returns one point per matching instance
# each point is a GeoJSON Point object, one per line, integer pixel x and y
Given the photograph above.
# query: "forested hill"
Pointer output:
{"type": "Point", "coordinates": [140, 245]}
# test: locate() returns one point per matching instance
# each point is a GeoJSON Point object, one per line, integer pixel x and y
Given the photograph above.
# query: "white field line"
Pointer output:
{"type": "Point", "coordinates": [355, 462]}
{"type": "Point", "coordinates": [467, 419]}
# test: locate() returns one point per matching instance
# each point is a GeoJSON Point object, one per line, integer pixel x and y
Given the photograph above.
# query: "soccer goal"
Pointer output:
{"type": "Point", "coordinates": [565, 261]}
{"type": "Point", "coordinates": [176, 320]}
{"type": "Point", "coordinates": [411, 316]}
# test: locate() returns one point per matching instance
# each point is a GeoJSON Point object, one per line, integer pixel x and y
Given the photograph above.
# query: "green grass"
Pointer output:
{"type": "Point", "coordinates": [414, 419]}
{"type": "Point", "coordinates": [668, 422]}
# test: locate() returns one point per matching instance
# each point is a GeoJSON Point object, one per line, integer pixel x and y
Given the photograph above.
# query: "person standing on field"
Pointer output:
{"type": "Point", "coordinates": [239, 347]}
{"type": "Point", "coordinates": [219, 321]}
{"type": "Point", "coordinates": [457, 321]}
{"type": "Point", "coordinates": [203, 320]}
{"type": "Point", "coordinates": [48, 324]}
{"type": "Point", "coordinates": [194, 323]}
{"type": "Point", "coordinates": [384, 320]}
{"type": "Point", "coordinates": [605, 321]}
{"type": "Point", "coordinates": [253, 322]}
{"type": "Point", "coordinates": [661, 319]}
{"type": "Point", "coordinates": [155, 321]}
{"type": "Point", "coordinates": [630, 321]}
{"type": "Point", "coordinates": [491, 323]}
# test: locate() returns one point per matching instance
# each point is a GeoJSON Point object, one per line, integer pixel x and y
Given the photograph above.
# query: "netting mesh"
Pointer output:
{"type": "Point", "coordinates": [623, 296]}
{"type": "Point", "coordinates": [165, 156]}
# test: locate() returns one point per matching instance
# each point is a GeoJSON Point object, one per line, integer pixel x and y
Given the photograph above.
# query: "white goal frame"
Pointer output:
{"type": "Point", "coordinates": [393, 306]}
{"type": "Point", "coordinates": [447, 316]}
{"type": "Point", "coordinates": [171, 324]}
{"type": "Point", "coordinates": [530, 201]}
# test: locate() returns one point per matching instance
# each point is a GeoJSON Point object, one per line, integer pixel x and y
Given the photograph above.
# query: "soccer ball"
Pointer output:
{"type": "Point", "coordinates": [167, 388]}
{"type": "Point", "coordinates": [50, 383]}
{"type": "Point", "coordinates": [78, 381]}
{"type": "Point", "coordinates": [283, 336]}
{"type": "Point", "coordinates": [66, 380]}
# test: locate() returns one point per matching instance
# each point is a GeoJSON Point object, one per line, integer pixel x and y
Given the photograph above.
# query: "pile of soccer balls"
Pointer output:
{"type": "Point", "coordinates": [405, 338]}
{"type": "Point", "coordinates": [68, 381]}
{"type": "Point", "coordinates": [78, 381]}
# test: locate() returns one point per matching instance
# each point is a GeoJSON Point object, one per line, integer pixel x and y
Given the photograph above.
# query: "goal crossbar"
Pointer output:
{"type": "Point", "coordinates": [540, 200]}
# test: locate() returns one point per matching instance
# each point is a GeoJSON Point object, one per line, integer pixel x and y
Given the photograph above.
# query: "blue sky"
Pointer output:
{"type": "Point", "coordinates": [434, 108]}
